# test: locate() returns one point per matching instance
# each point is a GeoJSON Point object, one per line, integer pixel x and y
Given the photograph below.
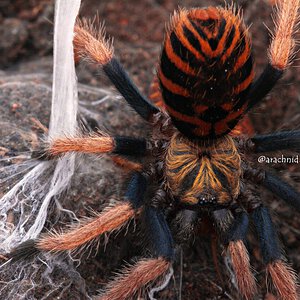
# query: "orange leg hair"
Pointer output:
{"type": "Point", "coordinates": [286, 21]}
{"type": "Point", "coordinates": [111, 219]}
{"type": "Point", "coordinates": [284, 280]}
{"type": "Point", "coordinates": [94, 143]}
{"type": "Point", "coordinates": [283, 277]}
{"type": "Point", "coordinates": [126, 164]}
{"type": "Point", "coordinates": [132, 279]}
{"type": "Point", "coordinates": [242, 269]}
{"type": "Point", "coordinates": [91, 44]}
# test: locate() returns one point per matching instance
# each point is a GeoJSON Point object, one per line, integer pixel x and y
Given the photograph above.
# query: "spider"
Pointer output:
{"type": "Point", "coordinates": [194, 162]}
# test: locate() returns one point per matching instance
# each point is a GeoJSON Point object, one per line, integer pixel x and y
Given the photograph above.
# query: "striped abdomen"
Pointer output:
{"type": "Point", "coordinates": [205, 71]}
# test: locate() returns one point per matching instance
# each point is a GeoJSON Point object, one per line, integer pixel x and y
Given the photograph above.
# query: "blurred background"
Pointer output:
{"type": "Point", "coordinates": [26, 31]}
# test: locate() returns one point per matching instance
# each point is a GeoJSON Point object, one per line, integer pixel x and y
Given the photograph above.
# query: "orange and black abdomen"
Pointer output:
{"type": "Point", "coordinates": [205, 71]}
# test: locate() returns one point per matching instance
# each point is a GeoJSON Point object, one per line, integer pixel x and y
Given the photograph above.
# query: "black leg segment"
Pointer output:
{"type": "Point", "coordinates": [130, 146]}
{"type": "Point", "coordinates": [263, 85]}
{"type": "Point", "coordinates": [136, 190]}
{"type": "Point", "coordinates": [238, 229]}
{"type": "Point", "coordinates": [282, 190]}
{"type": "Point", "coordinates": [158, 234]}
{"type": "Point", "coordinates": [276, 141]}
{"type": "Point", "coordinates": [128, 90]}
{"type": "Point", "coordinates": [267, 235]}
{"type": "Point", "coordinates": [24, 251]}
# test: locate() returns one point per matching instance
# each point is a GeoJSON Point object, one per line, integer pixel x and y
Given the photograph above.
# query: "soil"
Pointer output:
{"type": "Point", "coordinates": [138, 30]}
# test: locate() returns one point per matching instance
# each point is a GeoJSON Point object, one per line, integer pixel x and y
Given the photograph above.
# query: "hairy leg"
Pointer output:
{"type": "Point", "coordinates": [283, 140]}
{"type": "Point", "coordinates": [132, 279]}
{"type": "Point", "coordinates": [111, 219]}
{"type": "Point", "coordinates": [283, 277]}
{"type": "Point", "coordinates": [239, 255]}
{"type": "Point", "coordinates": [274, 184]}
{"type": "Point", "coordinates": [126, 164]}
{"type": "Point", "coordinates": [92, 45]}
{"type": "Point", "coordinates": [95, 143]}
{"type": "Point", "coordinates": [281, 50]}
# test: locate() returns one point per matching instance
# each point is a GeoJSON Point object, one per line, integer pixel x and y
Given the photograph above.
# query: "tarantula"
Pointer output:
{"type": "Point", "coordinates": [195, 156]}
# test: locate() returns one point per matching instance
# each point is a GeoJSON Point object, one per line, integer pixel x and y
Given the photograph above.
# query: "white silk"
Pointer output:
{"type": "Point", "coordinates": [30, 198]}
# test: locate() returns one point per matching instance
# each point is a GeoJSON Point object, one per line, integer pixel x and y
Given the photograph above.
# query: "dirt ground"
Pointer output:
{"type": "Point", "coordinates": [138, 29]}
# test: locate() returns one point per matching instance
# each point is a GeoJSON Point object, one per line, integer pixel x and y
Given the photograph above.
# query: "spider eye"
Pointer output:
{"type": "Point", "coordinates": [205, 71]}
{"type": "Point", "coordinates": [207, 201]}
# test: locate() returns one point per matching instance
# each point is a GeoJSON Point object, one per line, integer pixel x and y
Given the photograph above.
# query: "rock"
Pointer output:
{"type": "Point", "coordinates": [13, 34]}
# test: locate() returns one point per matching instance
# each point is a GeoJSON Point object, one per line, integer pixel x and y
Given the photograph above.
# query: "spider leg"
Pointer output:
{"type": "Point", "coordinates": [280, 52]}
{"type": "Point", "coordinates": [239, 255]}
{"type": "Point", "coordinates": [91, 125]}
{"type": "Point", "coordinates": [111, 219]}
{"type": "Point", "coordinates": [125, 164]}
{"type": "Point", "coordinates": [283, 277]}
{"type": "Point", "coordinates": [276, 141]}
{"type": "Point", "coordinates": [126, 285]}
{"type": "Point", "coordinates": [274, 184]}
{"type": "Point", "coordinates": [93, 46]}
{"type": "Point", "coordinates": [282, 190]}
{"type": "Point", "coordinates": [94, 143]}
{"type": "Point", "coordinates": [122, 162]}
